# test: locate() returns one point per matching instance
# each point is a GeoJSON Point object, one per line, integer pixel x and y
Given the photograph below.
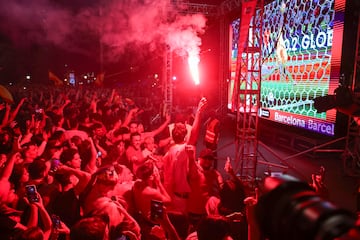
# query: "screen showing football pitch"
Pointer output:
{"type": "Point", "coordinates": [301, 56]}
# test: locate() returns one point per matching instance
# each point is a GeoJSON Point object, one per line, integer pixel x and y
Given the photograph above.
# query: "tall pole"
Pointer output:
{"type": "Point", "coordinates": [101, 46]}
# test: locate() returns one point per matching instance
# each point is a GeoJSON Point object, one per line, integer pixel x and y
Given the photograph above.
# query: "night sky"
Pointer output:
{"type": "Point", "coordinates": [116, 36]}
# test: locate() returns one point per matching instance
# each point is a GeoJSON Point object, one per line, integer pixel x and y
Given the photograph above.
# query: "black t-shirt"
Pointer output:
{"type": "Point", "coordinates": [67, 206]}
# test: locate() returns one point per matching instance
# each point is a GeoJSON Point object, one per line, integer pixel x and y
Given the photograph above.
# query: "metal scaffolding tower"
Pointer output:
{"type": "Point", "coordinates": [223, 76]}
{"type": "Point", "coordinates": [246, 93]}
{"type": "Point", "coordinates": [223, 13]}
{"type": "Point", "coordinates": [167, 82]}
{"type": "Point", "coordinates": [193, 8]}
{"type": "Point", "coordinates": [247, 80]}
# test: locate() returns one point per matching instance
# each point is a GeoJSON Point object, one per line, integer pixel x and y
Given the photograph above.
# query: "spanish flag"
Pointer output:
{"type": "Point", "coordinates": [55, 79]}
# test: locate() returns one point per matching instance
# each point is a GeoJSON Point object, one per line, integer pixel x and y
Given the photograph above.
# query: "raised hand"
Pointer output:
{"type": "Point", "coordinates": [22, 100]}
{"type": "Point", "coordinates": [167, 117]}
{"type": "Point", "coordinates": [251, 201]}
{"type": "Point", "coordinates": [202, 104]}
{"type": "Point", "coordinates": [228, 167]}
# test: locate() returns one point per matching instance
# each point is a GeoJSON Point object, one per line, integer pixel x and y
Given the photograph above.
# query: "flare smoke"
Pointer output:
{"type": "Point", "coordinates": [118, 25]}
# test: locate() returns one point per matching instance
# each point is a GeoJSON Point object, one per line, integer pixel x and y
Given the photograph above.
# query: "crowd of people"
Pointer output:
{"type": "Point", "coordinates": [81, 163]}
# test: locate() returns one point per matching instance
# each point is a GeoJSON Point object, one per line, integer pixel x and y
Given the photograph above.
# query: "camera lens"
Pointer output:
{"type": "Point", "coordinates": [290, 209]}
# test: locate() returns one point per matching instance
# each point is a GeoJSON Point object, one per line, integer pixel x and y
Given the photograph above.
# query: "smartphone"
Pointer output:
{"type": "Point", "coordinates": [56, 221]}
{"type": "Point", "coordinates": [156, 209]}
{"type": "Point", "coordinates": [31, 193]}
{"type": "Point", "coordinates": [123, 237]}
{"type": "Point", "coordinates": [54, 165]}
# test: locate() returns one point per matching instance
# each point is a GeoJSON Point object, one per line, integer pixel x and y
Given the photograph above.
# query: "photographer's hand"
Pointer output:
{"type": "Point", "coordinates": [63, 229]}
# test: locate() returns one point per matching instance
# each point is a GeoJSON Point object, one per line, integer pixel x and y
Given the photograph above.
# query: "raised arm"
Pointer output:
{"type": "Point", "coordinates": [253, 228]}
{"type": "Point", "coordinates": [16, 110]}
{"type": "Point", "coordinates": [165, 197]}
{"type": "Point", "coordinates": [111, 98]}
{"type": "Point", "coordinates": [229, 169]}
{"type": "Point", "coordinates": [41, 148]}
{"type": "Point", "coordinates": [61, 108]}
{"type": "Point", "coordinates": [84, 177]}
{"type": "Point", "coordinates": [93, 103]}
{"type": "Point", "coordinates": [159, 129]}
{"type": "Point", "coordinates": [5, 119]}
{"type": "Point", "coordinates": [28, 132]}
{"type": "Point", "coordinates": [91, 165]}
{"type": "Point", "coordinates": [9, 166]}
{"type": "Point", "coordinates": [130, 116]}
{"type": "Point", "coordinates": [168, 227]}
{"type": "Point", "coordinates": [190, 152]}
{"type": "Point", "coordinates": [45, 218]}
{"type": "Point", "coordinates": [196, 125]}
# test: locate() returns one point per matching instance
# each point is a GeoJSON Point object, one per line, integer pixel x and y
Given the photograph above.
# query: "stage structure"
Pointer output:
{"type": "Point", "coordinates": [295, 69]}
{"type": "Point", "coordinates": [351, 155]}
{"type": "Point", "coordinates": [225, 10]}
{"type": "Point", "coordinates": [167, 81]}
{"type": "Point", "coordinates": [247, 86]}
{"type": "Point", "coordinates": [248, 75]}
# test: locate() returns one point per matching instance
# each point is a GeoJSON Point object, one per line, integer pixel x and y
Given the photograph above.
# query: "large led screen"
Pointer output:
{"type": "Point", "coordinates": [301, 56]}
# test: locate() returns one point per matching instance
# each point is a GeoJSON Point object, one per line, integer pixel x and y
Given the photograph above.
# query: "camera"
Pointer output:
{"type": "Point", "coordinates": [156, 209]}
{"type": "Point", "coordinates": [123, 237]}
{"type": "Point", "coordinates": [342, 98]}
{"type": "Point", "coordinates": [55, 163]}
{"type": "Point", "coordinates": [291, 209]}
{"type": "Point", "coordinates": [31, 193]}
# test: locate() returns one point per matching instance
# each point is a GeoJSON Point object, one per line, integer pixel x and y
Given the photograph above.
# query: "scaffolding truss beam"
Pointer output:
{"type": "Point", "coordinates": [229, 6]}
{"type": "Point", "coordinates": [247, 89]}
{"type": "Point", "coordinates": [194, 8]}
{"type": "Point", "coordinates": [167, 82]}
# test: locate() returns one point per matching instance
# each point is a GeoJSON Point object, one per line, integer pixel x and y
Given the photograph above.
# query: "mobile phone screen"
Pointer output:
{"type": "Point", "coordinates": [156, 210]}
{"type": "Point", "coordinates": [31, 193]}
{"type": "Point", "coordinates": [123, 237]}
{"type": "Point", "coordinates": [56, 221]}
{"type": "Point", "coordinates": [54, 165]}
